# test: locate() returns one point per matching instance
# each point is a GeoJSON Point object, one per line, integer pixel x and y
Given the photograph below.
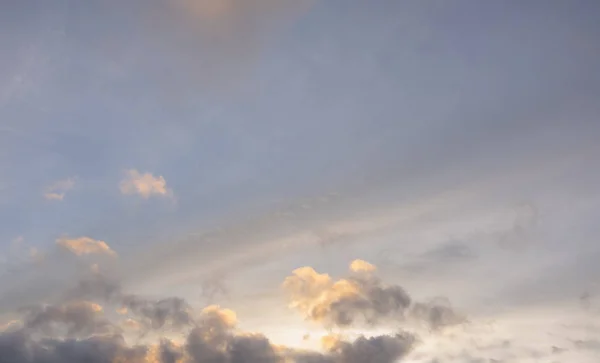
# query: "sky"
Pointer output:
{"type": "Point", "coordinates": [299, 181]}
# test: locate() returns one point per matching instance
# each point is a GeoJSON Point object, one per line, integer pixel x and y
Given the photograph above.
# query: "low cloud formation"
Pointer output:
{"type": "Point", "coordinates": [380, 349]}
{"type": "Point", "coordinates": [85, 246]}
{"type": "Point", "coordinates": [58, 190]}
{"type": "Point", "coordinates": [214, 338]}
{"type": "Point", "coordinates": [20, 347]}
{"type": "Point", "coordinates": [359, 298]}
{"type": "Point", "coordinates": [146, 185]}
{"type": "Point", "coordinates": [79, 318]}
{"type": "Point", "coordinates": [436, 314]}
{"type": "Point", "coordinates": [79, 329]}
{"type": "Point", "coordinates": [155, 314]}
{"type": "Point", "coordinates": [152, 314]}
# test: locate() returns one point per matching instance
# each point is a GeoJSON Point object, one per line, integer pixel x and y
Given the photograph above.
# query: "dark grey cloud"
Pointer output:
{"type": "Point", "coordinates": [80, 318]}
{"type": "Point", "coordinates": [381, 349]}
{"type": "Point", "coordinates": [19, 347]}
{"type": "Point", "coordinates": [157, 313]}
{"type": "Point", "coordinates": [378, 349]}
{"type": "Point", "coordinates": [171, 310]}
{"type": "Point", "coordinates": [436, 313]}
{"type": "Point", "coordinates": [169, 353]}
{"type": "Point", "coordinates": [374, 304]}
{"type": "Point", "coordinates": [202, 347]}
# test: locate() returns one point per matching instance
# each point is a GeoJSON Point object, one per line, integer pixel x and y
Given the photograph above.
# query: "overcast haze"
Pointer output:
{"type": "Point", "coordinates": [335, 181]}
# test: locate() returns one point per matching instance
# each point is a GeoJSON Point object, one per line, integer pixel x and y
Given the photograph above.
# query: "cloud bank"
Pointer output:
{"type": "Point", "coordinates": [80, 329]}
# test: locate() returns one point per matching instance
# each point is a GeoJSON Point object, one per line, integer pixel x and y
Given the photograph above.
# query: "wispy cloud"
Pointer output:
{"type": "Point", "coordinates": [146, 185]}
{"type": "Point", "coordinates": [57, 190]}
{"type": "Point", "coordinates": [85, 246]}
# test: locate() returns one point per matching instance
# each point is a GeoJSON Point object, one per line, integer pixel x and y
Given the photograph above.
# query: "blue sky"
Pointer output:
{"type": "Point", "coordinates": [452, 144]}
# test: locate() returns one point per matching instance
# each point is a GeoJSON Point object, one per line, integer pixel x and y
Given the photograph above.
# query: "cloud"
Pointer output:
{"type": "Point", "coordinates": [20, 347]}
{"type": "Point", "coordinates": [213, 287]}
{"type": "Point", "coordinates": [9, 325]}
{"type": "Point", "coordinates": [380, 349]}
{"type": "Point", "coordinates": [58, 190]}
{"type": "Point", "coordinates": [132, 324]}
{"type": "Point", "coordinates": [158, 313]}
{"type": "Point", "coordinates": [169, 352]}
{"type": "Point", "coordinates": [151, 313]}
{"type": "Point", "coordinates": [78, 318]}
{"type": "Point", "coordinates": [78, 330]}
{"type": "Point", "coordinates": [146, 185]}
{"type": "Point", "coordinates": [344, 301]}
{"type": "Point", "coordinates": [436, 313]}
{"type": "Point", "coordinates": [214, 337]}
{"type": "Point", "coordinates": [362, 266]}
{"type": "Point", "coordinates": [85, 246]}
{"type": "Point", "coordinates": [361, 297]}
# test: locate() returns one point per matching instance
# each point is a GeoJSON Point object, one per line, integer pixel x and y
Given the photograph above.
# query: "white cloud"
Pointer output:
{"type": "Point", "coordinates": [362, 266]}
{"type": "Point", "coordinates": [57, 190]}
{"type": "Point", "coordinates": [146, 184]}
{"type": "Point", "coordinates": [85, 246]}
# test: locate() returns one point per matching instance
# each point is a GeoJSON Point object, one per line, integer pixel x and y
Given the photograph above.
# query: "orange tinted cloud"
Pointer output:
{"type": "Point", "coordinates": [85, 246]}
{"type": "Point", "coordinates": [146, 184]}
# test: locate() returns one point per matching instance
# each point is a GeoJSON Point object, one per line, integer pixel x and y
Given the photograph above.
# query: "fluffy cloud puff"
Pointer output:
{"type": "Point", "coordinates": [361, 297]}
{"type": "Point", "coordinates": [146, 185]}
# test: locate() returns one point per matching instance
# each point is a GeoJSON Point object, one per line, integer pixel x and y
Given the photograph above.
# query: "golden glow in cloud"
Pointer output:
{"type": "Point", "coordinates": [146, 185]}
{"type": "Point", "coordinates": [362, 266]}
{"type": "Point", "coordinates": [85, 246]}
{"type": "Point", "coordinates": [347, 300]}
{"type": "Point", "coordinates": [226, 316]}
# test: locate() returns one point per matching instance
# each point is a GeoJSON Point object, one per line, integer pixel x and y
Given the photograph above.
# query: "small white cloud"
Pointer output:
{"type": "Point", "coordinates": [362, 266]}
{"type": "Point", "coordinates": [58, 190]}
{"type": "Point", "coordinates": [85, 246]}
{"type": "Point", "coordinates": [146, 185]}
